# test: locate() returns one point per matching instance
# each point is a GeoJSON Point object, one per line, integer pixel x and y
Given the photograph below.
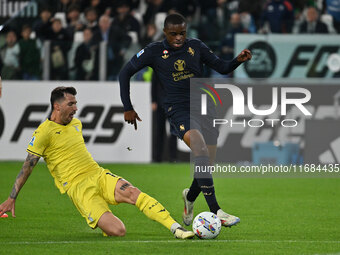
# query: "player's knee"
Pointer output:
{"type": "Point", "coordinates": [197, 144]}
{"type": "Point", "coordinates": [200, 150]}
{"type": "Point", "coordinates": [116, 231]}
{"type": "Point", "coordinates": [133, 194]}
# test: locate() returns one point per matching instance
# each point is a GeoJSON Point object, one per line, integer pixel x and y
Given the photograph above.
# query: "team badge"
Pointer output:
{"type": "Point", "coordinates": [165, 54]}
{"type": "Point", "coordinates": [140, 53]}
{"type": "Point", "coordinates": [179, 65]}
{"type": "Point", "coordinates": [181, 127]}
{"type": "Point", "coordinates": [191, 51]}
{"type": "Point", "coordinates": [32, 141]}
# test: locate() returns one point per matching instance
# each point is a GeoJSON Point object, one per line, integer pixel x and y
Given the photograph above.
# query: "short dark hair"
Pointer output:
{"type": "Point", "coordinates": [59, 93]}
{"type": "Point", "coordinates": [73, 7]}
{"type": "Point", "coordinates": [90, 9]}
{"type": "Point", "coordinates": [174, 19]}
{"type": "Point", "coordinates": [26, 26]}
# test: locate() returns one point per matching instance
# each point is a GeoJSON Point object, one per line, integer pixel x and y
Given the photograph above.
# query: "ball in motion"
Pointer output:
{"type": "Point", "coordinates": [206, 225]}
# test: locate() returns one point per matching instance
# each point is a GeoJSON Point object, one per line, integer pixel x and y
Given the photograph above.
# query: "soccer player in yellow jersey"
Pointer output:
{"type": "Point", "coordinates": [60, 142]}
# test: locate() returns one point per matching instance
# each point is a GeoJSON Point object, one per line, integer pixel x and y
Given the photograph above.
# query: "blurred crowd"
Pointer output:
{"type": "Point", "coordinates": [75, 30]}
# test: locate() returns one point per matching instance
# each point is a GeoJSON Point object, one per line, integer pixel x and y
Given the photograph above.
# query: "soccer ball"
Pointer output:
{"type": "Point", "coordinates": [206, 225]}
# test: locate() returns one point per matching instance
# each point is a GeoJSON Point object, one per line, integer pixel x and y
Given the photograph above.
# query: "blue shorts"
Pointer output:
{"type": "Point", "coordinates": [181, 121]}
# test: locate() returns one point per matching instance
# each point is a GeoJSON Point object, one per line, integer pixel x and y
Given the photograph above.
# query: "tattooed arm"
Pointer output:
{"type": "Point", "coordinates": [26, 170]}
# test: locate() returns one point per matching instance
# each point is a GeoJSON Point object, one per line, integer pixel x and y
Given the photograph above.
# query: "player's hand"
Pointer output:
{"type": "Point", "coordinates": [131, 117]}
{"type": "Point", "coordinates": [154, 106]}
{"type": "Point", "coordinates": [245, 55]}
{"type": "Point", "coordinates": [8, 206]}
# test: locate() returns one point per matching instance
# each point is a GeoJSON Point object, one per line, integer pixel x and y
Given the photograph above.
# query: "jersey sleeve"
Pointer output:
{"type": "Point", "coordinates": [137, 62]}
{"type": "Point", "coordinates": [38, 143]}
{"type": "Point", "coordinates": [143, 58]}
{"type": "Point", "coordinates": [219, 65]}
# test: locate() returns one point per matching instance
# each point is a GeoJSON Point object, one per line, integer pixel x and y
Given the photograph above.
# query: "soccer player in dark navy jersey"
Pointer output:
{"type": "Point", "coordinates": [175, 60]}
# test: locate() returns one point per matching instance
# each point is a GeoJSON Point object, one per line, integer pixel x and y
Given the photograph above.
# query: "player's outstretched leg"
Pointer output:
{"type": "Point", "coordinates": [150, 207]}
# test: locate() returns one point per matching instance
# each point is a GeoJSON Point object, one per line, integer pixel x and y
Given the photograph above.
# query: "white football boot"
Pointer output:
{"type": "Point", "coordinates": [188, 213]}
{"type": "Point", "coordinates": [182, 233]}
{"type": "Point", "coordinates": [227, 220]}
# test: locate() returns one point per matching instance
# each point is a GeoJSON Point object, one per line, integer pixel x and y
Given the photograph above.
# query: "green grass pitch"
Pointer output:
{"type": "Point", "coordinates": [278, 216]}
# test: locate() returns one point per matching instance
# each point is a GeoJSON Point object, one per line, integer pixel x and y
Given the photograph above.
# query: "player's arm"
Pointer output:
{"type": "Point", "coordinates": [220, 65]}
{"type": "Point", "coordinates": [0, 87]}
{"type": "Point", "coordinates": [130, 116]}
{"type": "Point", "coordinates": [139, 61]}
{"type": "Point", "coordinates": [26, 170]}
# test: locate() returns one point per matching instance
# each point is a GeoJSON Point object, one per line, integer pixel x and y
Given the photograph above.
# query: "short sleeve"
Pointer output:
{"type": "Point", "coordinates": [38, 143]}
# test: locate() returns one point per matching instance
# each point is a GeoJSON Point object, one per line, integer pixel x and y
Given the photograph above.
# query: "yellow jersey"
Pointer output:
{"type": "Point", "coordinates": [64, 151]}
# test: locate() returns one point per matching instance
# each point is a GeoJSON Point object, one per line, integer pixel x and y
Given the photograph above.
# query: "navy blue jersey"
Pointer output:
{"type": "Point", "coordinates": [174, 68]}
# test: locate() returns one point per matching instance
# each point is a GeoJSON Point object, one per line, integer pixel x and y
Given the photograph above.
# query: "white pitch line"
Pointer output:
{"type": "Point", "coordinates": [173, 241]}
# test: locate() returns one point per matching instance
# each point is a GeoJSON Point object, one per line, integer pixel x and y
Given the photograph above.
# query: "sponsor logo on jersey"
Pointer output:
{"type": "Point", "coordinates": [179, 65]}
{"type": "Point", "coordinates": [140, 53]}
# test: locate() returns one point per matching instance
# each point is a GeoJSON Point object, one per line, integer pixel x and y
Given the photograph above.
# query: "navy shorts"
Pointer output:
{"type": "Point", "coordinates": [181, 121]}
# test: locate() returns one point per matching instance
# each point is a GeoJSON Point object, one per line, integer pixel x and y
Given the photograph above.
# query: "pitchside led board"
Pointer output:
{"type": "Point", "coordinates": [289, 56]}
{"type": "Point", "coordinates": [24, 105]}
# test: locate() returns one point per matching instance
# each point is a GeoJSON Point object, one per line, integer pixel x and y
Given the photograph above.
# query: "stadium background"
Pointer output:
{"type": "Point", "coordinates": [280, 58]}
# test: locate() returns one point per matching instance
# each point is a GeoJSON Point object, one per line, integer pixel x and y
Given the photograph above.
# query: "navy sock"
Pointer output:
{"type": "Point", "coordinates": [194, 191]}
{"type": "Point", "coordinates": [205, 182]}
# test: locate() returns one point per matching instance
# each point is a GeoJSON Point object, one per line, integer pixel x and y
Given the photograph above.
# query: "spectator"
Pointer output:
{"type": "Point", "coordinates": [280, 16]}
{"type": "Point", "coordinates": [185, 7]}
{"type": "Point", "coordinates": [151, 35]}
{"type": "Point", "coordinates": [117, 43]}
{"type": "Point", "coordinates": [84, 58]}
{"type": "Point", "coordinates": [333, 8]}
{"type": "Point", "coordinates": [91, 17]}
{"type": "Point", "coordinates": [312, 24]}
{"type": "Point", "coordinates": [43, 25]}
{"type": "Point", "coordinates": [73, 20]}
{"type": "Point", "coordinates": [254, 8]}
{"type": "Point", "coordinates": [248, 22]}
{"type": "Point", "coordinates": [215, 16]}
{"type": "Point", "coordinates": [102, 7]}
{"type": "Point", "coordinates": [154, 7]}
{"type": "Point", "coordinates": [60, 45]}
{"type": "Point", "coordinates": [120, 40]}
{"type": "Point", "coordinates": [63, 5]}
{"type": "Point", "coordinates": [10, 57]}
{"type": "Point", "coordinates": [102, 34]}
{"type": "Point", "coordinates": [228, 42]}
{"type": "Point", "coordinates": [124, 20]}
{"type": "Point", "coordinates": [29, 55]}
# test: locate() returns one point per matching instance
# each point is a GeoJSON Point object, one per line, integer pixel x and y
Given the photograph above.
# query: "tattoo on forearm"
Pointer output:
{"type": "Point", "coordinates": [124, 186]}
{"type": "Point", "coordinates": [24, 173]}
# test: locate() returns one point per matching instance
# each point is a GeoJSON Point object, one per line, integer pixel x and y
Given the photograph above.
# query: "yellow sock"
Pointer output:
{"type": "Point", "coordinates": [154, 210]}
